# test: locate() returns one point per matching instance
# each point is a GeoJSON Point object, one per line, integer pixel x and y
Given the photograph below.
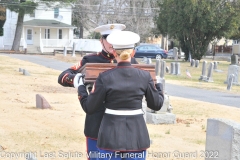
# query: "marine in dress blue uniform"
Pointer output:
{"type": "Point", "coordinates": [123, 131]}
{"type": "Point", "coordinates": [67, 77]}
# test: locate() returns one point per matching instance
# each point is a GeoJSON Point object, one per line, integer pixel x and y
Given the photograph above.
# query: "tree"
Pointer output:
{"type": "Point", "coordinates": [137, 15]}
{"type": "Point", "coordinates": [2, 18]}
{"type": "Point", "coordinates": [195, 23]}
{"type": "Point", "coordinates": [22, 8]}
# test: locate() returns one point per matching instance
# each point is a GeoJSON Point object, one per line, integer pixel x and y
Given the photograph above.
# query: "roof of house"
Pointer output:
{"type": "Point", "coordinates": [47, 23]}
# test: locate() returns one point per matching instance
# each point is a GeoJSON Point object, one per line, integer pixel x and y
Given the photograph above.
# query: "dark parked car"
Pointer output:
{"type": "Point", "coordinates": [150, 51]}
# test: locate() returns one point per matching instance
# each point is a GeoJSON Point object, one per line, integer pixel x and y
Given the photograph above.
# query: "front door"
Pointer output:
{"type": "Point", "coordinates": [29, 38]}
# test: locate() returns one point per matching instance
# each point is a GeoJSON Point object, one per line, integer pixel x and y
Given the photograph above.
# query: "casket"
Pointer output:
{"type": "Point", "coordinates": [92, 70]}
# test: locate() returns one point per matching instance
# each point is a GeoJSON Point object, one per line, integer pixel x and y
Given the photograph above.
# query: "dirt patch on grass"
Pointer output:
{"type": "Point", "coordinates": [58, 132]}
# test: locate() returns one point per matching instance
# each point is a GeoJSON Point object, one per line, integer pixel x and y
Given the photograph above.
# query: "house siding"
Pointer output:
{"type": "Point", "coordinates": [43, 12]}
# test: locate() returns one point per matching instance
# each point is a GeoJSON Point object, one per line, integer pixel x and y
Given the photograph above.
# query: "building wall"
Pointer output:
{"type": "Point", "coordinates": [9, 28]}
{"type": "Point", "coordinates": [44, 12]}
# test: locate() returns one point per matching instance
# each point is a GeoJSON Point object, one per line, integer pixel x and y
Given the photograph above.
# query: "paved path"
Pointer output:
{"type": "Point", "coordinates": [228, 99]}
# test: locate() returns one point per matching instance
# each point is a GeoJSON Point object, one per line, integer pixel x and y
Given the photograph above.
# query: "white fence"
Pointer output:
{"type": "Point", "coordinates": [56, 43]}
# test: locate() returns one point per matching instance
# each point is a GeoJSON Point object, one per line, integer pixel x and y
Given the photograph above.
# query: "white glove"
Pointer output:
{"type": "Point", "coordinates": [159, 80]}
{"type": "Point", "coordinates": [78, 80]}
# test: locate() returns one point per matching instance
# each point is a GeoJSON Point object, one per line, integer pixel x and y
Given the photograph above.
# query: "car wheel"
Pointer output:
{"type": "Point", "coordinates": [158, 56]}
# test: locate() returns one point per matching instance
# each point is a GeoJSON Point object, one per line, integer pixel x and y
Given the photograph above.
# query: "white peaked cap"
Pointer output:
{"type": "Point", "coordinates": [123, 39]}
{"type": "Point", "coordinates": [109, 28]}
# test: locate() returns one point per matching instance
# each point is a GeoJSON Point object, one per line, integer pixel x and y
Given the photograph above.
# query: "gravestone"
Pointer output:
{"type": "Point", "coordinates": [230, 81]}
{"type": "Point", "coordinates": [175, 53]}
{"type": "Point", "coordinates": [222, 139]}
{"type": "Point", "coordinates": [192, 63]}
{"type": "Point", "coordinates": [233, 69]}
{"type": "Point", "coordinates": [203, 77]}
{"type": "Point", "coordinates": [167, 69]}
{"type": "Point", "coordinates": [157, 67]}
{"type": "Point", "coordinates": [172, 68]}
{"type": "Point", "coordinates": [215, 65]}
{"type": "Point", "coordinates": [73, 49]}
{"type": "Point", "coordinates": [210, 72]}
{"type": "Point", "coordinates": [149, 61]}
{"type": "Point", "coordinates": [144, 60]}
{"type": "Point", "coordinates": [234, 59]}
{"type": "Point", "coordinates": [196, 63]}
{"type": "Point", "coordinates": [162, 70]}
{"type": "Point", "coordinates": [41, 102]}
{"type": "Point", "coordinates": [177, 68]}
{"type": "Point", "coordinates": [65, 51]}
{"type": "Point", "coordinates": [163, 116]}
{"type": "Point", "coordinates": [25, 72]}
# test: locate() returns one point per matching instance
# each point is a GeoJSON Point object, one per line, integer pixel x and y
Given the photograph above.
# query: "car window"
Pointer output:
{"type": "Point", "coordinates": [152, 47]}
{"type": "Point", "coordinates": [142, 48]}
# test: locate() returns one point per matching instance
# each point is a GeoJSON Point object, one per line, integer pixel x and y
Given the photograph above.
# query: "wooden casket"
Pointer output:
{"type": "Point", "coordinates": [92, 70]}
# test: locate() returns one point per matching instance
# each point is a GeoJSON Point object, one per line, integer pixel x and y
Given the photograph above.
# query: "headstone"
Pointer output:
{"type": "Point", "coordinates": [41, 102]}
{"type": "Point", "coordinates": [192, 63]}
{"type": "Point", "coordinates": [25, 72]}
{"type": "Point", "coordinates": [210, 72]}
{"type": "Point", "coordinates": [20, 70]}
{"type": "Point", "coordinates": [162, 70]}
{"type": "Point", "coordinates": [144, 60]}
{"type": "Point", "coordinates": [73, 49]}
{"type": "Point", "coordinates": [230, 81]}
{"type": "Point", "coordinates": [65, 51]}
{"type": "Point", "coordinates": [172, 67]}
{"type": "Point", "coordinates": [196, 63]}
{"type": "Point", "coordinates": [149, 61]}
{"type": "Point", "coordinates": [215, 65]}
{"type": "Point", "coordinates": [233, 69]}
{"type": "Point", "coordinates": [234, 59]}
{"type": "Point", "coordinates": [222, 139]}
{"type": "Point", "coordinates": [167, 69]}
{"type": "Point", "coordinates": [203, 77]}
{"type": "Point", "coordinates": [157, 67]}
{"type": "Point", "coordinates": [175, 53]}
{"type": "Point", "coordinates": [177, 68]}
{"type": "Point", "coordinates": [166, 118]}
{"type": "Point", "coordinates": [165, 106]}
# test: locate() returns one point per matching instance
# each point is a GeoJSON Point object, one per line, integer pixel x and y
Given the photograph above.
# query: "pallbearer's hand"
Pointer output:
{"type": "Point", "coordinates": [78, 80]}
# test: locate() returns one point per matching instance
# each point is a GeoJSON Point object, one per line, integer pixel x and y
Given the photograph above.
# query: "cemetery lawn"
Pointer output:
{"type": "Point", "coordinates": [57, 133]}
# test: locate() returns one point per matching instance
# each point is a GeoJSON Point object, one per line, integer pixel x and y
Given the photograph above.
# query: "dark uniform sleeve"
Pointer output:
{"type": "Point", "coordinates": [154, 95]}
{"type": "Point", "coordinates": [67, 76]}
{"type": "Point", "coordinates": [91, 102]}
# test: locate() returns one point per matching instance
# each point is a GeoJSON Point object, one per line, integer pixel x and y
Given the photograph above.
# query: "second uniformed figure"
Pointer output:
{"type": "Point", "coordinates": [123, 130]}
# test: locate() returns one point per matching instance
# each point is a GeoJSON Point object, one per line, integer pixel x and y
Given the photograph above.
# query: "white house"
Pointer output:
{"type": "Point", "coordinates": [45, 30]}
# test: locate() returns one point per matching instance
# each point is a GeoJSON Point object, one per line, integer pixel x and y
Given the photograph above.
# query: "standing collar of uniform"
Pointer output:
{"type": "Point", "coordinates": [124, 64]}
{"type": "Point", "coordinates": [105, 55]}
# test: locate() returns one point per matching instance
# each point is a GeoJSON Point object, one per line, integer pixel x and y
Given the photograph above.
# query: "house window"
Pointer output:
{"type": "Point", "coordinates": [47, 33]}
{"type": "Point", "coordinates": [56, 12]}
{"type": "Point", "coordinates": [60, 34]}
{"type": "Point", "coordinates": [32, 14]}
